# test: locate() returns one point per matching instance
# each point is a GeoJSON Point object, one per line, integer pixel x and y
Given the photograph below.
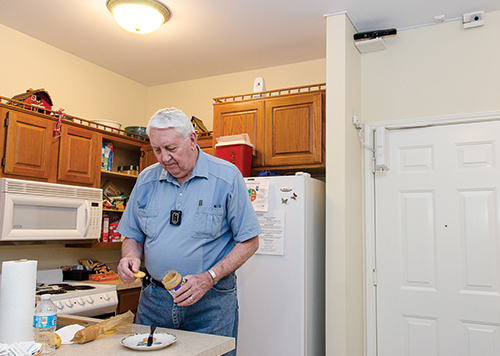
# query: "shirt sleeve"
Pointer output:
{"type": "Point", "coordinates": [241, 215]}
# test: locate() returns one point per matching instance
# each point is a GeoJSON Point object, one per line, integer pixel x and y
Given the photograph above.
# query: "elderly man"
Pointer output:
{"type": "Point", "coordinates": [191, 213]}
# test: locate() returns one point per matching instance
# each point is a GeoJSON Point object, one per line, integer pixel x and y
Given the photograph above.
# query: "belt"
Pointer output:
{"type": "Point", "coordinates": [148, 280]}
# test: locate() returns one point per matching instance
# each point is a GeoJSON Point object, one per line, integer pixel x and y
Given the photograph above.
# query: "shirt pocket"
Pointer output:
{"type": "Point", "coordinates": [208, 222]}
{"type": "Point", "coordinates": [148, 221]}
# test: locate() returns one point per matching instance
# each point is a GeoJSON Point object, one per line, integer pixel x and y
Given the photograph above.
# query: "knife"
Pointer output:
{"type": "Point", "coordinates": [150, 338]}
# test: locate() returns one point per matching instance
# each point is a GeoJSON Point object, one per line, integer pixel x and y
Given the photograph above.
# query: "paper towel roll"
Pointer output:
{"type": "Point", "coordinates": [17, 301]}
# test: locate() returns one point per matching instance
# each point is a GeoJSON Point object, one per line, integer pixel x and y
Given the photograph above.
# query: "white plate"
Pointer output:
{"type": "Point", "coordinates": [139, 341]}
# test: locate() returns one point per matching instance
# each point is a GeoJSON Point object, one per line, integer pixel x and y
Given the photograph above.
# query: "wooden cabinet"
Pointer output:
{"type": "Point", "coordinates": [148, 157]}
{"type": "Point", "coordinates": [33, 152]}
{"type": "Point", "coordinates": [128, 299]}
{"type": "Point", "coordinates": [293, 130]}
{"type": "Point", "coordinates": [286, 127]}
{"type": "Point", "coordinates": [78, 156]}
{"type": "Point", "coordinates": [205, 143]}
{"type": "Point", "coordinates": [31, 149]}
{"type": "Point", "coordinates": [235, 118]}
{"type": "Point", "coordinates": [28, 145]}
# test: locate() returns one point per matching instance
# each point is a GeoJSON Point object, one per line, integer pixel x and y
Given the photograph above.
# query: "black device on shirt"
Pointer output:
{"type": "Point", "coordinates": [175, 217]}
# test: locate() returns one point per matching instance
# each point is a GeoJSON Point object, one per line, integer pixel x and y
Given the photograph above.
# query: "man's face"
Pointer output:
{"type": "Point", "coordinates": [176, 155]}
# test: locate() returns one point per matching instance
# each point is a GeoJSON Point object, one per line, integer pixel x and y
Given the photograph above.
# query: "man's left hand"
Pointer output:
{"type": "Point", "coordinates": [195, 287]}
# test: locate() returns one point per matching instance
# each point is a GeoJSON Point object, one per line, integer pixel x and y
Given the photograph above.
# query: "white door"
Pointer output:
{"type": "Point", "coordinates": [437, 242]}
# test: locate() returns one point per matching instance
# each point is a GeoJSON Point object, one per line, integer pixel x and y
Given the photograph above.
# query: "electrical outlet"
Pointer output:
{"type": "Point", "coordinates": [473, 19]}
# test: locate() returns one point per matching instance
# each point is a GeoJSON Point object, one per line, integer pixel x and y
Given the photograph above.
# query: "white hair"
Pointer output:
{"type": "Point", "coordinates": [171, 118]}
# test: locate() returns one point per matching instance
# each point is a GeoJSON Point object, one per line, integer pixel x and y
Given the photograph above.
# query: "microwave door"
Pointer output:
{"type": "Point", "coordinates": [48, 218]}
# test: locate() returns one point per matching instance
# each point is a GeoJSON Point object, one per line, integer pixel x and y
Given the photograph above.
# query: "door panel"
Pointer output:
{"type": "Point", "coordinates": [242, 117]}
{"type": "Point", "coordinates": [294, 130]}
{"type": "Point", "coordinates": [28, 146]}
{"type": "Point", "coordinates": [77, 155]}
{"type": "Point", "coordinates": [437, 242]}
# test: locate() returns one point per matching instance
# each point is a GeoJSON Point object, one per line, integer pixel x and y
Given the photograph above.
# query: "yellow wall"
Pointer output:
{"type": "Point", "coordinates": [80, 87]}
{"type": "Point", "coordinates": [91, 92]}
{"type": "Point", "coordinates": [194, 97]}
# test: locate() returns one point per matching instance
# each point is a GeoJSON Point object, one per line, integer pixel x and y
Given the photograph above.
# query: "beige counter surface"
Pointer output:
{"type": "Point", "coordinates": [118, 283]}
{"type": "Point", "coordinates": [187, 344]}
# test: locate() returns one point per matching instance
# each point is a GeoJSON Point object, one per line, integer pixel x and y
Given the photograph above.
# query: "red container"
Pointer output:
{"type": "Point", "coordinates": [238, 154]}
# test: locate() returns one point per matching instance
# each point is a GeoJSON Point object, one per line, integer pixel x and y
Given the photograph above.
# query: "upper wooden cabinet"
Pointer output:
{"type": "Point", "coordinates": [31, 149]}
{"type": "Point", "coordinates": [294, 131]}
{"type": "Point", "coordinates": [233, 118]}
{"type": "Point", "coordinates": [28, 145]}
{"type": "Point", "coordinates": [286, 126]}
{"type": "Point", "coordinates": [79, 154]}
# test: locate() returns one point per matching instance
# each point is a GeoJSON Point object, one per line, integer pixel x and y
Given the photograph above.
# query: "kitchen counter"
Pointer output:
{"type": "Point", "coordinates": [118, 283]}
{"type": "Point", "coordinates": [187, 344]}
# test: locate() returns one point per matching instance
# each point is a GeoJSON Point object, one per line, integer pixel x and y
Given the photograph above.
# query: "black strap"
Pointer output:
{"type": "Point", "coordinates": [148, 279]}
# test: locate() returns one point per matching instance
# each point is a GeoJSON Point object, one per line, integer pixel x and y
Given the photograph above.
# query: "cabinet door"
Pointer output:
{"type": "Point", "coordinates": [205, 144]}
{"type": "Point", "coordinates": [128, 299]}
{"type": "Point", "coordinates": [242, 117]}
{"type": "Point", "coordinates": [28, 145]}
{"type": "Point", "coordinates": [78, 156]}
{"type": "Point", "coordinates": [294, 130]}
{"type": "Point", "coordinates": [147, 156]}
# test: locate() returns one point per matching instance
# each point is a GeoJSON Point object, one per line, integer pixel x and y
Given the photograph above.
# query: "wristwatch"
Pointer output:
{"type": "Point", "coordinates": [214, 276]}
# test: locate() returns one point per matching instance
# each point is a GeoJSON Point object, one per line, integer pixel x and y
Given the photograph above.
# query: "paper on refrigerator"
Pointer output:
{"type": "Point", "coordinates": [258, 190]}
{"type": "Point", "coordinates": [271, 240]}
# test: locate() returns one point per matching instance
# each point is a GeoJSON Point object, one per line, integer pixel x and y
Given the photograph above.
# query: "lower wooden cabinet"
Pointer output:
{"type": "Point", "coordinates": [128, 299]}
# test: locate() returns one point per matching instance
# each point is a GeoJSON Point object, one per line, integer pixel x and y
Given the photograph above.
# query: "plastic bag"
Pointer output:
{"type": "Point", "coordinates": [121, 324]}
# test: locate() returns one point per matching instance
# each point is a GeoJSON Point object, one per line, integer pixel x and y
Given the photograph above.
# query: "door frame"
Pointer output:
{"type": "Point", "coordinates": [370, 295]}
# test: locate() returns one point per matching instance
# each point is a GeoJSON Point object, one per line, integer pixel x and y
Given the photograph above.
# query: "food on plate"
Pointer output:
{"type": "Point", "coordinates": [139, 274]}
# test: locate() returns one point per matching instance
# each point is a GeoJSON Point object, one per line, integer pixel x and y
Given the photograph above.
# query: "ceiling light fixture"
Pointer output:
{"type": "Point", "coordinates": [139, 16]}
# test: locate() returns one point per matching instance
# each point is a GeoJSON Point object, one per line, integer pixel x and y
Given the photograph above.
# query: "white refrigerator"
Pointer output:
{"type": "Point", "coordinates": [281, 288]}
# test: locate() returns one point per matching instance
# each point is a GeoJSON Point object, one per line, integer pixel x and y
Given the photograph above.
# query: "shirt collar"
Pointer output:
{"type": "Point", "coordinates": [200, 169]}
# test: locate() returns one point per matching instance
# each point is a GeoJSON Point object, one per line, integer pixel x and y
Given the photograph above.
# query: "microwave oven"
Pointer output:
{"type": "Point", "coordinates": [32, 210]}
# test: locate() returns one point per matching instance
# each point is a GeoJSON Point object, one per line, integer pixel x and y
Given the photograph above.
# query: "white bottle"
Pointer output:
{"type": "Point", "coordinates": [44, 325]}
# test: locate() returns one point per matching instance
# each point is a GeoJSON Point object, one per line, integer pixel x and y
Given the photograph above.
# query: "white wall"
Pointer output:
{"type": "Point", "coordinates": [194, 97]}
{"type": "Point", "coordinates": [80, 87]}
{"type": "Point", "coordinates": [432, 71]}
{"type": "Point", "coordinates": [344, 227]}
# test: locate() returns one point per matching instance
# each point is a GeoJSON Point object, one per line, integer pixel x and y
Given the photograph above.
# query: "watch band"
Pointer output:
{"type": "Point", "coordinates": [214, 276]}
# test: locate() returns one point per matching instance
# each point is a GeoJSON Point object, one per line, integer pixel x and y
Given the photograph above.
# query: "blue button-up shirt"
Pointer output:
{"type": "Point", "coordinates": [216, 213]}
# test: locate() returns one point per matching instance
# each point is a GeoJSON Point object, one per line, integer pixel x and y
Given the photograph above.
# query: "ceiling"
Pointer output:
{"type": "Point", "coordinates": [213, 37]}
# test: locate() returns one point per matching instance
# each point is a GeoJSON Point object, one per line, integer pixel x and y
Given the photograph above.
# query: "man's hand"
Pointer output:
{"type": "Point", "coordinates": [195, 287]}
{"type": "Point", "coordinates": [131, 260]}
{"type": "Point", "coordinates": [198, 284]}
{"type": "Point", "coordinates": [126, 269]}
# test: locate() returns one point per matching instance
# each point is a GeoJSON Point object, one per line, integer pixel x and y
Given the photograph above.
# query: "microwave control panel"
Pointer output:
{"type": "Point", "coordinates": [94, 230]}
